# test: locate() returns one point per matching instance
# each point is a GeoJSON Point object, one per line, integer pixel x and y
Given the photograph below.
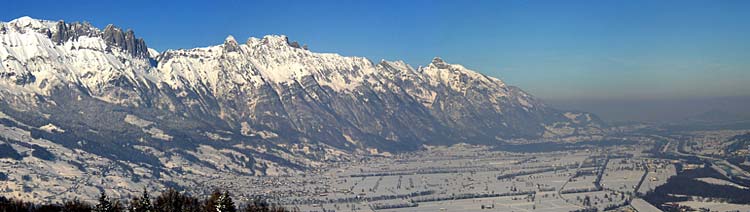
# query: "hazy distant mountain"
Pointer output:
{"type": "Point", "coordinates": [715, 116]}
{"type": "Point", "coordinates": [659, 110]}
{"type": "Point", "coordinates": [92, 98]}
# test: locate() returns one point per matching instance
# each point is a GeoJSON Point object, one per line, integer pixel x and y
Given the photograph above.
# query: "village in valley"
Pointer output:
{"type": "Point", "coordinates": [583, 176]}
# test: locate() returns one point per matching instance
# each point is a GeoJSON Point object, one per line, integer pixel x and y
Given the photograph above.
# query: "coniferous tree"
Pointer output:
{"type": "Point", "coordinates": [219, 202]}
{"type": "Point", "coordinates": [168, 201]}
{"type": "Point", "coordinates": [211, 203]}
{"type": "Point", "coordinates": [76, 205]}
{"type": "Point", "coordinates": [256, 205]}
{"type": "Point", "coordinates": [225, 203]}
{"type": "Point", "coordinates": [14, 205]}
{"type": "Point", "coordinates": [142, 203]}
{"type": "Point", "coordinates": [117, 206]}
{"type": "Point", "coordinates": [104, 204]}
{"type": "Point", "coordinates": [172, 201]}
{"type": "Point", "coordinates": [261, 205]}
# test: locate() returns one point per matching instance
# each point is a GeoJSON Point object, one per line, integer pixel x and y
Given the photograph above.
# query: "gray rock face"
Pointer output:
{"type": "Point", "coordinates": [125, 40]}
{"type": "Point", "coordinates": [114, 36]}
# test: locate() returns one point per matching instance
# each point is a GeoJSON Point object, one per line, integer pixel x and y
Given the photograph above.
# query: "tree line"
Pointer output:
{"type": "Point", "coordinates": [168, 201]}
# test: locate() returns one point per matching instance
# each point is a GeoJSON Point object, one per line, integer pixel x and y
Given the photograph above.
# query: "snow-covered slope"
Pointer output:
{"type": "Point", "coordinates": [263, 99]}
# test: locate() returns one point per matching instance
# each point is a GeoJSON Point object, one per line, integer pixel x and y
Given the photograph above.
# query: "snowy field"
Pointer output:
{"type": "Point", "coordinates": [468, 178]}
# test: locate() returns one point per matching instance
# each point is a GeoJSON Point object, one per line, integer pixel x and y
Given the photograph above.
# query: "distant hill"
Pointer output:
{"type": "Point", "coordinates": [715, 116]}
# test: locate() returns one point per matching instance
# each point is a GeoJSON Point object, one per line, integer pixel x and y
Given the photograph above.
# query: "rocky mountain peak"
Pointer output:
{"type": "Point", "coordinates": [114, 36]}
{"type": "Point", "coordinates": [25, 24]}
{"type": "Point", "coordinates": [27, 21]}
{"type": "Point", "coordinates": [63, 32]}
{"type": "Point", "coordinates": [438, 62]}
{"type": "Point", "coordinates": [60, 32]}
{"type": "Point", "coordinates": [230, 38]}
{"type": "Point", "coordinates": [275, 41]}
{"type": "Point", "coordinates": [230, 44]}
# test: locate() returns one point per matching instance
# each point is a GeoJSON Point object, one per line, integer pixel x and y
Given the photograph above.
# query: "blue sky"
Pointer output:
{"type": "Point", "coordinates": [554, 49]}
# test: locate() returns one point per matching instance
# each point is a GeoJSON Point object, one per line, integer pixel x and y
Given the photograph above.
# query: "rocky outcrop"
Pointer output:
{"type": "Point", "coordinates": [231, 45]}
{"type": "Point", "coordinates": [127, 41]}
{"type": "Point", "coordinates": [64, 32]}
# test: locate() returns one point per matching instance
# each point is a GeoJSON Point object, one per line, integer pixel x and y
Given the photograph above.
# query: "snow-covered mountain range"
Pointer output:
{"type": "Point", "coordinates": [260, 106]}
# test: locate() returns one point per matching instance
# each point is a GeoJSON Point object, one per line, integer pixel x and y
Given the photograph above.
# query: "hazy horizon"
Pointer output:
{"type": "Point", "coordinates": [659, 110]}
